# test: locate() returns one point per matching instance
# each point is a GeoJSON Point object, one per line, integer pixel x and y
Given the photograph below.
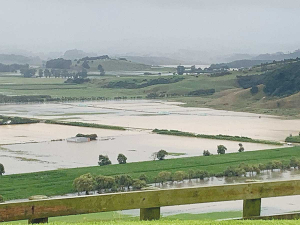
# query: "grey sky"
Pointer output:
{"type": "Point", "coordinates": [151, 26]}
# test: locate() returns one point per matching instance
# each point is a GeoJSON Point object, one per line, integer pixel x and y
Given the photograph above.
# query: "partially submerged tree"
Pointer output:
{"type": "Point", "coordinates": [2, 170]}
{"type": "Point", "coordinates": [84, 183]}
{"type": "Point", "coordinates": [163, 177]}
{"type": "Point", "coordinates": [221, 149]}
{"type": "Point", "coordinates": [206, 153]}
{"type": "Point", "coordinates": [161, 154]}
{"type": "Point", "coordinates": [138, 184]}
{"type": "Point", "coordinates": [241, 149]}
{"type": "Point", "coordinates": [103, 160]}
{"type": "Point", "coordinates": [122, 159]}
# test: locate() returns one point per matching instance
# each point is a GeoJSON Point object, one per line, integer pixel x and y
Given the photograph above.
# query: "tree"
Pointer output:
{"type": "Point", "coordinates": [1, 199]}
{"type": "Point", "coordinates": [41, 73]}
{"type": "Point", "coordinates": [122, 159]}
{"type": "Point", "coordinates": [59, 63]}
{"type": "Point", "coordinates": [138, 184]}
{"type": "Point", "coordinates": [103, 160]}
{"type": "Point", "coordinates": [101, 70]}
{"type": "Point", "coordinates": [82, 74]}
{"type": "Point", "coordinates": [241, 149]}
{"type": "Point", "coordinates": [124, 181]}
{"type": "Point", "coordinates": [221, 149]}
{"type": "Point", "coordinates": [2, 170]}
{"type": "Point", "coordinates": [85, 65]}
{"type": "Point", "coordinates": [84, 183]}
{"type": "Point", "coordinates": [191, 174]}
{"type": "Point", "coordinates": [161, 154]}
{"type": "Point", "coordinates": [206, 153]}
{"type": "Point", "coordinates": [163, 176]}
{"type": "Point", "coordinates": [28, 72]}
{"type": "Point", "coordinates": [144, 177]}
{"type": "Point", "coordinates": [47, 73]}
{"type": "Point", "coordinates": [104, 182]}
{"type": "Point", "coordinates": [179, 176]}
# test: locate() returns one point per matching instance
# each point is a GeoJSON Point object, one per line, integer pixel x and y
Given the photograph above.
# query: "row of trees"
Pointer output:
{"type": "Point", "coordinates": [103, 184]}
{"type": "Point", "coordinates": [221, 149]}
{"type": "Point", "coordinates": [104, 160]}
{"type": "Point", "coordinates": [241, 170]}
{"type": "Point", "coordinates": [122, 159]}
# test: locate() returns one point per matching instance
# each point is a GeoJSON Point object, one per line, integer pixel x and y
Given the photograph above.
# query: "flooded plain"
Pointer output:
{"type": "Point", "coordinates": [37, 147]}
{"type": "Point", "coordinates": [151, 114]}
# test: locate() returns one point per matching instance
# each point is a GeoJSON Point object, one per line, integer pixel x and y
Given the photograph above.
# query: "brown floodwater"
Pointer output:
{"type": "Point", "coordinates": [20, 154]}
{"type": "Point", "coordinates": [150, 114]}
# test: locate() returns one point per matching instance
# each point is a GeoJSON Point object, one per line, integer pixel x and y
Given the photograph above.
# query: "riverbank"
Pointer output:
{"type": "Point", "coordinates": [59, 182]}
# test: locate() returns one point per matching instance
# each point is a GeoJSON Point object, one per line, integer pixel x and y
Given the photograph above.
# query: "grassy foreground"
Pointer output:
{"type": "Point", "coordinates": [59, 182]}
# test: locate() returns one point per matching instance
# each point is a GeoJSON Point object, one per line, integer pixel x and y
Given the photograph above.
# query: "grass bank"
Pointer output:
{"type": "Point", "coordinates": [80, 124]}
{"type": "Point", "coordinates": [119, 216]}
{"type": "Point", "coordinates": [218, 137]}
{"type": "Point", "coordinates": [180, 222]}
{"type": "Point", "coordinates": [293, 139]}
{"type": "Point", "coordinates": [59, 182]}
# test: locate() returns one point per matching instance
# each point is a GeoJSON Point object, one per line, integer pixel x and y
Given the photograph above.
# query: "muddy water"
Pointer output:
{"type": "Point", "coordinates": [270, 206]}
{"type": "Point", "coordinates": [136, 145]}
{"type": "Point", "coordinates": [150, 114]}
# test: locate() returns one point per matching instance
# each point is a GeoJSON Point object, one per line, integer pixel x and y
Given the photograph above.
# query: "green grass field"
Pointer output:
{"type": "Point", "coordinates": [228, 95]}
{"type": "Point", "coordinates": [59, 182]}
{"type": "Point", "coordinates": [180, 222]}
{"type": "Point", "coordinates": [119, 216]}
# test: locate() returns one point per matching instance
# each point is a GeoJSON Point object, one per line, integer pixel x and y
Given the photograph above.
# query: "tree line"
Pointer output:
{"type": "Point", "coordinates": [103, 184]}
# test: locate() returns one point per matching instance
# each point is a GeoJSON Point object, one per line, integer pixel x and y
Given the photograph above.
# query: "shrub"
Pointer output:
{"type": "Point", "coordinates": [206, 153]}
{"type": "Point", "coordinates": [122, 159]}
{"type": "Point", "coordinates": [103, 160]}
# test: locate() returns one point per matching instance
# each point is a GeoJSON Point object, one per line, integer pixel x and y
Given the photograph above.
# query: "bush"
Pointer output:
{"type": "Point", "coordinates": [206, 153]}
{"type": "Point", "coordinates": [221, 149]}
{"type": "Point", "coordinates": [104, 160]}
{"type": "Point", "coordinates": [2, 170]}
{"type": "Point", "coordinates": [84, 183]}
{"type": "Point", "coordinates": [1, 199]}
{"type": "Point", "coordinates": [144, 177]}
{"type": "Point", "coordinates": [161, 154]}
{"type": "Point", "coordinates": [122, 159]}
{"type": "Point", "coordinates": [138, 184]}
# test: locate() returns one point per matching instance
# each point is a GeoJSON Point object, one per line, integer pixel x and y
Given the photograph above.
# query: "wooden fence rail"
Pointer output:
{"type": "Point", "coordinates": [150, 201]}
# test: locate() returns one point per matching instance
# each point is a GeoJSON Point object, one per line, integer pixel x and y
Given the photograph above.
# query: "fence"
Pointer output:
{"type": "Point", "coordinates": [149, 202]}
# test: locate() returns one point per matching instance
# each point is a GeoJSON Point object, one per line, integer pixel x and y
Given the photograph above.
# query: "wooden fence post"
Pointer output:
{"type": "Point", "coordinates": [38, 220]}
{"type": "Point", "coordinates": [150, 213]}
{"type": "Point", "coordinates": [251, 207]}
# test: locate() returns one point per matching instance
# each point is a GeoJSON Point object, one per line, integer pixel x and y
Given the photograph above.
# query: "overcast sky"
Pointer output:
{"type": "Point", "coordinates": [150, 26]}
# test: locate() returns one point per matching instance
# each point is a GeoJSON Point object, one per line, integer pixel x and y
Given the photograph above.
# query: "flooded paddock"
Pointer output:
{"type": "Point", "coordinates": [151, 114]}
{"type": "Point", "coordinates": [38, 147]}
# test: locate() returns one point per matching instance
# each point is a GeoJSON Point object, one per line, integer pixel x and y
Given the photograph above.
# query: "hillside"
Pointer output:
{"type": "Point", "coordinates": [278, 56]}
{"type": "Point", "coordinates": [19, 59]}
{"type": "Point", "coordinates": [153, 60]}
{"type": "Point", "coordinates": [112, 65]}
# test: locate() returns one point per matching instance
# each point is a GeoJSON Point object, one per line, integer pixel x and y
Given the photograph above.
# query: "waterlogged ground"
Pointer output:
{"type": "Point", "coordinates": [270, 206]}
{"type": "Point", "coordinates": [150, 114]}
{"type": "Point", "coordinates": [36, 147]}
